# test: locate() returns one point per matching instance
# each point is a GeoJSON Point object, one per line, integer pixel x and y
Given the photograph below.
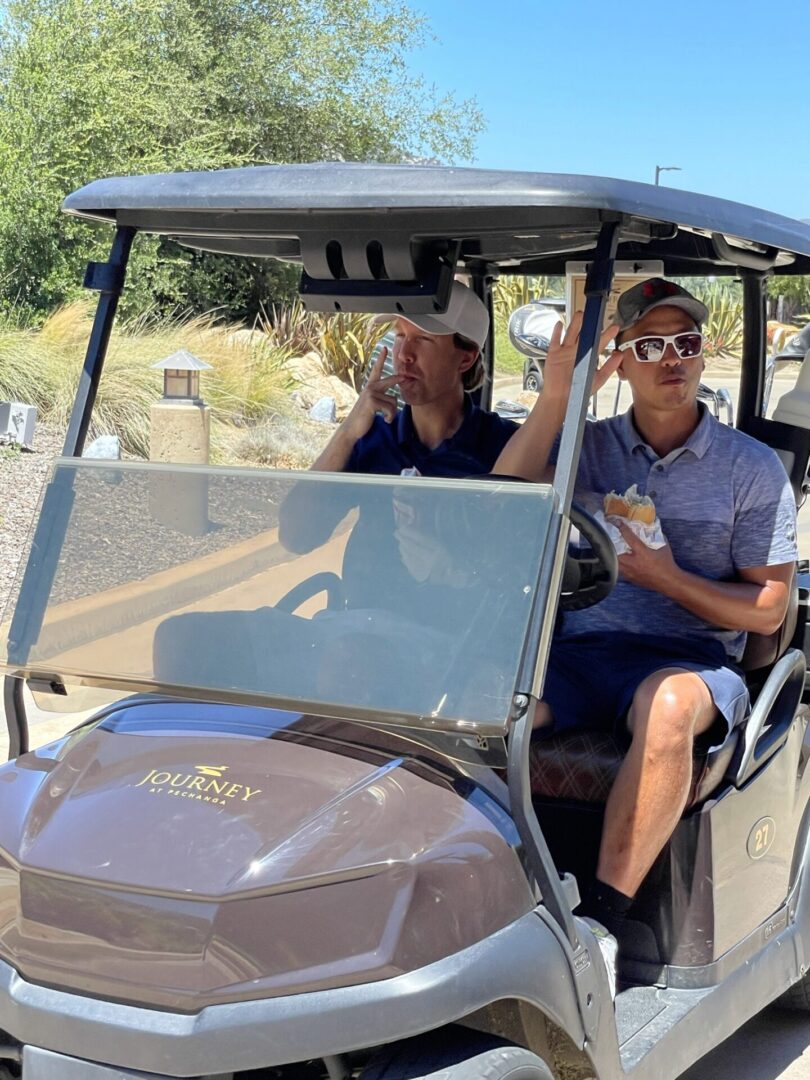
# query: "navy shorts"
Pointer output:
{"type": "Point", "coordinates": [591, 678]}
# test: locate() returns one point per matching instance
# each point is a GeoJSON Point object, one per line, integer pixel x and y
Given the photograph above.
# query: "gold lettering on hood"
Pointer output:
{"type": "Point", "coordinates": [200, 785]}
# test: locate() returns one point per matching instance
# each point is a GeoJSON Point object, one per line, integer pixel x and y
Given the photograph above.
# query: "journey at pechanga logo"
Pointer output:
{"type": "Point", "coordinates": [208, 785]}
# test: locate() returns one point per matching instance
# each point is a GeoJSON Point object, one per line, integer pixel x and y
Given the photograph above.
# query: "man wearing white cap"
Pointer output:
{"type": "Point", "coordinates": [440, 432]}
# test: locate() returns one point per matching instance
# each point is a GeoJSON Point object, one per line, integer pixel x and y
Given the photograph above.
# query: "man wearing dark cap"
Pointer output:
{"type": "Point", "coordinates": [663, 648]}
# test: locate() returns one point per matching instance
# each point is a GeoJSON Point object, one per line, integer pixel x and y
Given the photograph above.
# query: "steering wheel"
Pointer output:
{"type": "Point", "coordinates": [325, 581]}
{"type": "Point", "coordinates": [587, 579]}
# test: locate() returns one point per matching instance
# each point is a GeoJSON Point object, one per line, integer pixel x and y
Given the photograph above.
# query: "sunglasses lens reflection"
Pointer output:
{"type": "Point", "coordinates": [649, 350]}
{"type": "Point", "coordinates": [688, 345]}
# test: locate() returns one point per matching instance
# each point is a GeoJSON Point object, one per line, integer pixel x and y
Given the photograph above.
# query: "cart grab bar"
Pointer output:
{"type": "Point", "coordinates": [773, 714]}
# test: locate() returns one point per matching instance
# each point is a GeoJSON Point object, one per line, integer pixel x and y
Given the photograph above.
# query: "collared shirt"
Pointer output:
{"type": "Point", "coordinates": [724, 502]}
{"type": "Point", "coordinates": [389, 448]}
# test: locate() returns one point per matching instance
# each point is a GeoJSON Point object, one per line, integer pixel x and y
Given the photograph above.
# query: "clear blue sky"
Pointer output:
{"type": "Point", "coordinates": [719, 87]}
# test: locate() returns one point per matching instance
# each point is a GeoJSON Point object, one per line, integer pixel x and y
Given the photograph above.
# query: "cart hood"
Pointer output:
{"type": "Point", "coordinates": [180, 869]}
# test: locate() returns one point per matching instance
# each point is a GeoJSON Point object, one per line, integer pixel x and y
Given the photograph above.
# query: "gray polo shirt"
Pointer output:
{"type": "Point", "coordinates": [724, 502]}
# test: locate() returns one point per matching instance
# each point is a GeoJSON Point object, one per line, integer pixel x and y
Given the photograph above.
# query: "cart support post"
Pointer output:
{"type": "Point", "coordinates": [108, 279]}
{"type": "Point", "coordinates": [752, 381]}
{"type": "Point", "coordinates": [482, 287]}
{"type": "Point", "coordinates": [597, 289]}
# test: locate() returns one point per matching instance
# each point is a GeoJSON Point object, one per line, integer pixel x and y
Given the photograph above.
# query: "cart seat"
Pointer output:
{"type": "Point", "coordinates": [582, 765]}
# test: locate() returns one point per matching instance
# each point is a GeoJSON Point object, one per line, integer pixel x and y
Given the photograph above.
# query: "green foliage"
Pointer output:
{"type": "Point", "coordinates": [515, 291]}
{"type": "Point", "coordinates": [345, 344]}
{"type": "Point", "coordinates": [508, 361]}
{"type": "Point", "coordinates": [723, 329]}
{"type": "Point", "coordinates": [795, 291]}
{"type": "Point", "coordinates": [92, 88]}
{"type": "Point", "coordinates": [292, 327]}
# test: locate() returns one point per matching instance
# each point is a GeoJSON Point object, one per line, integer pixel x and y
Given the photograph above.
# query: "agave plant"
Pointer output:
{"type": "Point", "coordinates": [723, 330]}
{"type": "Point", "coordinates": [345, 345]}
{"type": "Point", "coordinates": [291, 327]}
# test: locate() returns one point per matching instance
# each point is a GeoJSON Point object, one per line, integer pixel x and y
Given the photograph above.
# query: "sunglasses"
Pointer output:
{"type": "Point", "coordinates": [651, 348]}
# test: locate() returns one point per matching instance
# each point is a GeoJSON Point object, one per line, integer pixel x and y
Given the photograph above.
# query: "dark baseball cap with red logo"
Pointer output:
{"type": "Point", "coordinates": [652, 293]}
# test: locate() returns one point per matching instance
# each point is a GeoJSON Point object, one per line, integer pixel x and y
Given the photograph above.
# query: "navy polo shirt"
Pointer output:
{"type": "Point", "coordinates": [387, 449]}
{"type": "Point", "coordinates": [372, 560]}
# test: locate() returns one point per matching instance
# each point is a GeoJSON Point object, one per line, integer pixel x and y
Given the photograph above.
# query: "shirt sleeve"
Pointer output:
{"type": "Point", "coordinates": [554, 452]}
{"type": "Point", "coordinates": [765, 532]}
{"type": "Point", "coordinates": [354, 457]}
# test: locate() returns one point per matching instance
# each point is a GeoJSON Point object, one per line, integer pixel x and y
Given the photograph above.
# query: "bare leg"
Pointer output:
{"type": "Point", "coordinates": [649, 794]}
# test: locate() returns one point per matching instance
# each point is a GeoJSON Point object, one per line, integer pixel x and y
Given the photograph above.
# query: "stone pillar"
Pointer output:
{"type": "Point", "coordinates": [180, 434]}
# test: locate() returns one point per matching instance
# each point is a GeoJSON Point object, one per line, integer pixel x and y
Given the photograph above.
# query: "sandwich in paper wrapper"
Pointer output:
{"type": "Point", "coordinates": [637, 513]}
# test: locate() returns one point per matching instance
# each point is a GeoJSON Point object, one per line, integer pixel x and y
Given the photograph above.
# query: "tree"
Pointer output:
{"type": "Point", "coordinates": [92, 88]}
{"type": "Point", "coordinates": [795, 291]}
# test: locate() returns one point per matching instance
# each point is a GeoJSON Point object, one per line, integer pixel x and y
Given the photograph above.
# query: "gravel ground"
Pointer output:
{"type": "Point", "coordinates": [116, 534]}
{"type": "Point", "coordinates": [22, 476]}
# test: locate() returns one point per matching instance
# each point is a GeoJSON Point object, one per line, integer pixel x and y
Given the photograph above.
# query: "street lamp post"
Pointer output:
{"type": "Point", "coordinates": [665, 168]}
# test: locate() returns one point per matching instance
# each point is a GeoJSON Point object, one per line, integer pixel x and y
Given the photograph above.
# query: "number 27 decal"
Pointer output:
{"type": "Point", "coordinates": [761, 837]}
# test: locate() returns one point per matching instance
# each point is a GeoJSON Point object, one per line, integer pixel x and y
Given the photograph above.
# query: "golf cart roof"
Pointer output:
{"type": "Point", "coordinates": [339, 219]}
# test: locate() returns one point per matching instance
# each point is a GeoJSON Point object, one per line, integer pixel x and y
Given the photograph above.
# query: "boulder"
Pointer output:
{"type": "Point", "coordinates": [306, 369]}
{"type": "Point", "coordinates": [307, 393]}
{"type": "Point", "coordinates": [105, 447]}
{"type": "Point", "coordinates": [324, 411]}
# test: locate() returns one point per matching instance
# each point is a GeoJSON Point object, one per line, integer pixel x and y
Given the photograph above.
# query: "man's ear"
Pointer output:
{"type": "Point", "coordinates": [468, 358]}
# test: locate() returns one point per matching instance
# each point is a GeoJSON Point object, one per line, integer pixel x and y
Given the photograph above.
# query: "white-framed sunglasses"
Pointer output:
{"type": "Point", "coordinates": [651, 348]}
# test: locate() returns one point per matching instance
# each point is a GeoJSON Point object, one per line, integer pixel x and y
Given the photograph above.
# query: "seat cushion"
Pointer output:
{"type": "Point", "coordinates": [582, 766]}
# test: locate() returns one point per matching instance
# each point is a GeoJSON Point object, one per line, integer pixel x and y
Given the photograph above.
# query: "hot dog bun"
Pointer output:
{"type": "Point", "coordinates": [631, 505]}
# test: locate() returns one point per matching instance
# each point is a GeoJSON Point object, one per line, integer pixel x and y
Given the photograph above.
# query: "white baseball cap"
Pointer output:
{"type": "Point", "coordinates": [466, 315]}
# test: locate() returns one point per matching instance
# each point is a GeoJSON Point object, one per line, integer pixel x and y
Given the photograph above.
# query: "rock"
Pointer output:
{"type": "Point", "coordinates": [307, 394]}
{"type": "Point", "coordinates": [324, 411]}
{"type": "Point", "coordinates": [105, 447]}
{"type": "Point", "coordinates": [246, 337]}
{"type": "Point", "coordinates": [306, 369]}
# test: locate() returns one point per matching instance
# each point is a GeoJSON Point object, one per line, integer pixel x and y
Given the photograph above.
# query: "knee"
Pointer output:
{"type": "Point", "coordinates": [543, 716]}
{"type": "Point", "coordinates": [664, 718]}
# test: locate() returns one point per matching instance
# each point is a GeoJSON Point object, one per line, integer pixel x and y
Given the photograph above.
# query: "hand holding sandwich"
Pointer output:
{"type": "Point", "coordinates": [649, 568]}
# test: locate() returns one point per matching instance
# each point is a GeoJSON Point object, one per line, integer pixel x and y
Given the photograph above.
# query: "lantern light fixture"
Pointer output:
{"type": "Point", "coordinates": [181, 376]}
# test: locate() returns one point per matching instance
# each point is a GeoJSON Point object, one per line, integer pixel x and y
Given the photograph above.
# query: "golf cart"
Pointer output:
{"type": "Point", "coordinates": [314, 837]}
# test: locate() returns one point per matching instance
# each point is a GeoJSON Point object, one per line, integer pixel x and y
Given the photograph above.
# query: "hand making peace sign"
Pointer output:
{"type": "Point", "coordinates": [562, 352]}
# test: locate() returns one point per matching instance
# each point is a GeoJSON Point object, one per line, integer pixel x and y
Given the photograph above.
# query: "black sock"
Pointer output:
{"type": "Point", "coordinates": [601, 899]}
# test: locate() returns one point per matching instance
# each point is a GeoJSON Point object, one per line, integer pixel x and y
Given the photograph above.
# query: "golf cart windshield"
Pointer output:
{"type": "Point", "coordinates": [379, 598]}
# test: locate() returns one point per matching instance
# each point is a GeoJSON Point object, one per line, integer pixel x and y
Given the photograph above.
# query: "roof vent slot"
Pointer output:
{"type": "Point", "coordinates": [334, 260]}
{"type": "Point", "coordinates": [376, 260]}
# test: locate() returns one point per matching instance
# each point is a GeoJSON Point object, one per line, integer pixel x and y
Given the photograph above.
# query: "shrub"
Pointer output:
{"type": "Point", "coordinates": [283, 442]}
